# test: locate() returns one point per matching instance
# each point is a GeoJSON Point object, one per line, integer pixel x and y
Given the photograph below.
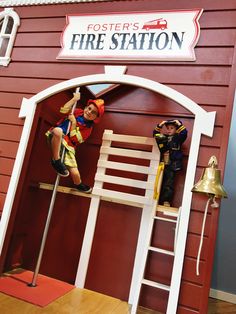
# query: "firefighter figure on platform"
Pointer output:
{"type": "Point", "coordinates": [170, 136]}
{"type": "Point", "coordinates": [72, 130]}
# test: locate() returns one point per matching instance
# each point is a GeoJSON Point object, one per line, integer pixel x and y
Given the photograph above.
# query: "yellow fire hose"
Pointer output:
{"type": "Point", "coordinates": [159, 174]}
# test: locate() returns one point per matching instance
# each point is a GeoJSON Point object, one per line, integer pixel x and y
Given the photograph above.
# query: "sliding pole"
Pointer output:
{"type": "Point", "coordinates": [51, 206]}
{"type": "Point", "coordinates": [50, 210]}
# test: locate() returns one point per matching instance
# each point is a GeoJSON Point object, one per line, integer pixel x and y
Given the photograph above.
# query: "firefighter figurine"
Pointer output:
{"type": "Point", "coordinates": [170, 135]}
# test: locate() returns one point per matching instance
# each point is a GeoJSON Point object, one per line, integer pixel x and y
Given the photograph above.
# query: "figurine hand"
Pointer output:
{"type": "Point", "coordinates": [76, 96]}
{"type": "Point", "coordinates": [177, 122]}
{"type": "Point", "coordinates": [160, 137]}
{"type": "Point", "coordinates": [162, 123]}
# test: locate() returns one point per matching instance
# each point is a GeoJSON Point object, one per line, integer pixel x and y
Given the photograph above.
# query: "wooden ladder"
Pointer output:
{"type": "Point", "coordinates": [169, 214]}
{"type": "Point", "coordinates": [136, 148]}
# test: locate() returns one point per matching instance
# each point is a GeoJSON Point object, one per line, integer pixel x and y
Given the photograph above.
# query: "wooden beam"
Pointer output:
{"type": "Point", "coordinates": [106, 195]}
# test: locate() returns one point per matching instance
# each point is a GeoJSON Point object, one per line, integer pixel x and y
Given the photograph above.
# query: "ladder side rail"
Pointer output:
{"type": "Point", "coordinates": [144, 237]}
{"type": "Point", "coordinates": [90, 228]}
{"type": "Point", "coordinates": [177, 229]}
{"type": "Point", "coordinates": [146, 228]}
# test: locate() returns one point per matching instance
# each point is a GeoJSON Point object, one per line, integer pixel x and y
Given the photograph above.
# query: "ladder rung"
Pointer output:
{"type": "Point", "coordinates": [126, 167]}
{"type": "Point", "coordinates": [121, 197]}
{"type": "Point", "coordinates": [124, 181]}
{"type": "Point", "coordinates": [165, 219]}
{"type": "Point", "coordinates": [128, 153]}
{"type": "Point", "coordinates": [169, 211]}
{"type": "Point", "coordinates": [158, 250]}
{"type": "Point", "coordinates": [155, 284]}
{"type": "Point", "coordinates": [129, 138]}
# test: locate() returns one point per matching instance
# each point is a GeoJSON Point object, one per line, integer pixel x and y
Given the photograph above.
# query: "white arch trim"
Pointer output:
{"type": "Point", "coordinates": [203, 124]}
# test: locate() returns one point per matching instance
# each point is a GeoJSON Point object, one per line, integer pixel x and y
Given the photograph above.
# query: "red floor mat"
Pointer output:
{"type": "Point", "coordinates": [46, 291]}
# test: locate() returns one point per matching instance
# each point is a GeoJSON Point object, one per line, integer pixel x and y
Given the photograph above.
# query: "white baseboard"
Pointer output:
{"type": "Point", "coordinates": [224, 296]}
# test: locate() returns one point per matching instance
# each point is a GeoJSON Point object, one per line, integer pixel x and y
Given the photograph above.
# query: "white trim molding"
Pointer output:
{"type": "Point", "coordinates": [7, 3]}
{"type": "Point", "coordinates": [222, 295]}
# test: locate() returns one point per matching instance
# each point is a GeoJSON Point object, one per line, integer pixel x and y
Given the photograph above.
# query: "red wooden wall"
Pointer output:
{"type": "Point", "coordinates": [209, 81]}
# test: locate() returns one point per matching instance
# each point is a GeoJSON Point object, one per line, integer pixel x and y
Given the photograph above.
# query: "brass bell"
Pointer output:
{"type": "Point", "coordinates": [210, 182]}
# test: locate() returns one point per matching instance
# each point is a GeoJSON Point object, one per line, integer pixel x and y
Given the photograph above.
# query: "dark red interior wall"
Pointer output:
{"type": "Point", "coordinates": [209, 81]}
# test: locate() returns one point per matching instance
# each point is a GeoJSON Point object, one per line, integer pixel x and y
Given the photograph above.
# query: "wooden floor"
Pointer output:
{"type": "Point", "coordinates": [220, 307]}
{"type": "Point", "coordinates": [89, 302]}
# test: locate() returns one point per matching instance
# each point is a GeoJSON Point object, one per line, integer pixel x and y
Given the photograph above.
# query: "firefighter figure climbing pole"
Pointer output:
{"type": "Point", "coordinates": [64, 137]}
{"type": "Point", "coordinates": [50, 211]}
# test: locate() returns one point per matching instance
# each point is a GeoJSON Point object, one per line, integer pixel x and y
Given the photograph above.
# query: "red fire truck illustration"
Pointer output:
{"type": "Point", "coordinates": [159, 24]}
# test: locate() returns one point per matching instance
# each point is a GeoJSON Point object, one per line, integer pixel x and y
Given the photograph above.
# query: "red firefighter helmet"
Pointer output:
{"type": "Point", "coordinates": [99, 103]}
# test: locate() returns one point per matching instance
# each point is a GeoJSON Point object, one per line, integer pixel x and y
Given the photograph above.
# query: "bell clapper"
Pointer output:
{"type": "Point", "coordinates": [214, 204]}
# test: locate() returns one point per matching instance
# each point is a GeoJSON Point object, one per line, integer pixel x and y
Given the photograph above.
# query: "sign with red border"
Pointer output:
{"type": "Point", "coordinates": [134, 36]}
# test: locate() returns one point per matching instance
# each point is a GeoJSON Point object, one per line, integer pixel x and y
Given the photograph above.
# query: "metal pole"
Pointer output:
{"type": "Point", "coordinates": [33, 283]}
{"type": "Point", "coordinates": [50, 210]}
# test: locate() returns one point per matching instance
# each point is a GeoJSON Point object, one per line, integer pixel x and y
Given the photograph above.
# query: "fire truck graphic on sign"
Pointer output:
{"type": "Point", "coordinates": [155, 24]}
{"type": "Point", "coordinates": [155, 36]}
